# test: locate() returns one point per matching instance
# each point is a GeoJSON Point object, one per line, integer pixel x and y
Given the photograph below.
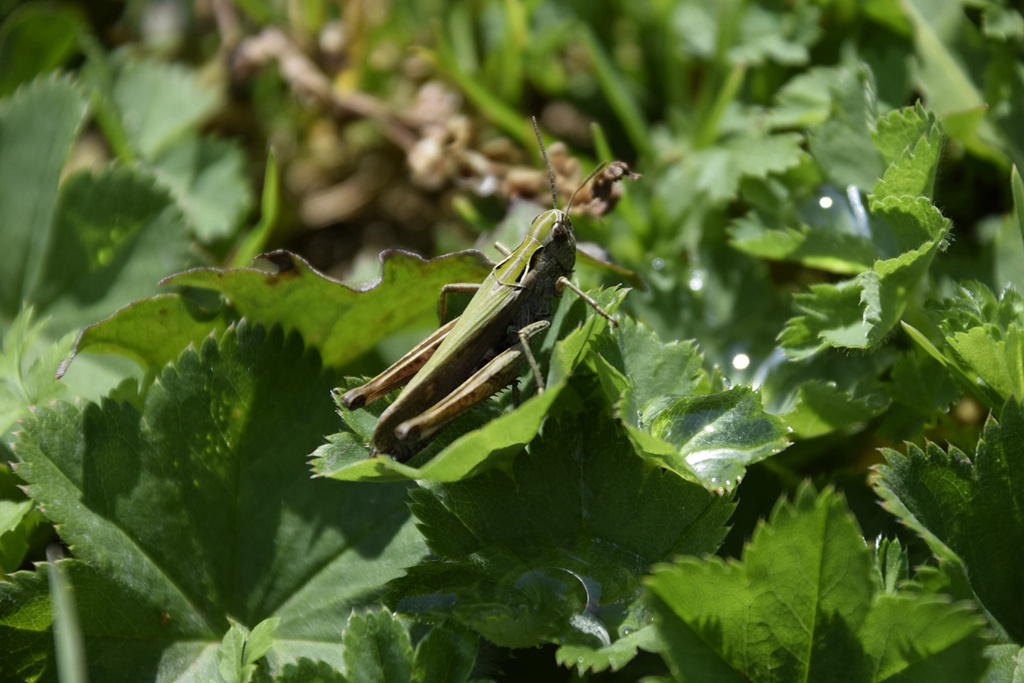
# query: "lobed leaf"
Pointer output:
{"type": "Point", "coordinates": [340, 321]}
{"type": "Point", "coordinates": [860, 312]}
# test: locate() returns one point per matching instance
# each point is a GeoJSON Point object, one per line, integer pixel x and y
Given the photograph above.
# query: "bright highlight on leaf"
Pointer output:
{"type": "Point", "coordinates": [673, 418]}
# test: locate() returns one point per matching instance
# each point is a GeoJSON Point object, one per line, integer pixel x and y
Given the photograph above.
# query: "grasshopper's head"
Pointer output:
{"type": "Point", "coordinates": [553, 231]}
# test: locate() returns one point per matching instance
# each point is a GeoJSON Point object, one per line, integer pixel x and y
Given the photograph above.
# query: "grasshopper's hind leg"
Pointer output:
{"type": "Point", "coordinates": [524, 342]}
{"type": "Point", "coordinates": [455, 288]}
{"type": "Point", "coordinates": [501, 371]}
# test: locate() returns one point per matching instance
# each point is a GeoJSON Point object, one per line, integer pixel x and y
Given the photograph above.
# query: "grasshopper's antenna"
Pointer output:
{"type": "Point", "coordinates": [600, 167]}
{"type": "Point", "coordinates": [544, 153]}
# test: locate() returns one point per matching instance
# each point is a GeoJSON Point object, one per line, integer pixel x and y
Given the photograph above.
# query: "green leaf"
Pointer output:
{"type": "Point", "coordinates": [842, 145]}
{"type": "Point", "coordinates": [910, 140]}
{"type": "Point", "coordinates": [259, 642]}
{"type": "Point", "coordinates": [160, 104]}
{"type": "Point", "coordinates": [717, 435]}
{"type": "Point", "coordinates": [970, 506]}
{"type": "Point", "coordinates": [240, 650]}
{"type": "Point", "coordinates": [943, 73]}
{"type": "Point", "coordinates": [309, 671]}
{"type": "Point", "coordinates": [26, 380]}
{"type": "Point", "coordinates": [23, 529]}
{"type": "Point", "coordinates": [920, 389]}
{"type": "Point", "coordinates": [823, 408]}
{"type": "Point", "coordinates": [201, 508]}
{"type": "Point", "coordinates": [16, 522]}
{"type": "Point", "coordinates": [824, 248]}
{"type": "Point", "coordinates": [859, 313]}
{"type": "Point", "coordinates": [1004, 23]}
{"type": "Point", "coordinates": [709, 438]}
{"type": "Point", "coordinates": [116, 234]}
{"type": "Point", "coordinates": [230, 663]}
{"type": "Point", "coordinates": [777, 34]}
{"type": "Point", "coordinates": [1007, 663]}
{"type": "Point", "coordinates": [1017, 190]}
{"type": "Point", "coordinates": [717, 170]}
{"type": "Point", "coordinates": [755, 33]}
{"type": "Point", "coordinates": [444, 656]}
{"type": "Point", "coordinates": [651, 368]}
{"type": "Point", "coordinates": [803, 604]}
{"type": "Point", "coordinates": [377, 648]}
{"type": "Point", "coordinates": [892, 562]}
{"type": "Point", "coordinates": [804, 100]}
{"type": "Point", "coordinates": [986, 337]}
{"type": "Point", "coordinates": [897, 133]}
{"type": "Point", "coordinates": [142, 630]}
{"type": "Point", "coordinates": [35, 39]}
{"type": "Point", "coordinates": [208, 179]}
{"type": "Point", "coordinates": [613, 656]}
{"type": "Point", "coordinates": [552, 550]}
{"type": "Point", "coordinates": [152, 331]}
{"type": "Point", "coordinates": [37, 127]}
{"type": "Point", "coordinates": [829, 392]}
{"type": "Point", "coordinates": [340, 321]}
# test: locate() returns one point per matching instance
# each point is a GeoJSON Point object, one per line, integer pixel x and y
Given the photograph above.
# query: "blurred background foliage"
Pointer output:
{"type": "Point", "coordinates": [405, 124]}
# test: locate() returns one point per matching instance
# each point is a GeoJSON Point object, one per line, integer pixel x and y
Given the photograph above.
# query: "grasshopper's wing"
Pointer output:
{"type": "Point", "coordinates": [400, 373]}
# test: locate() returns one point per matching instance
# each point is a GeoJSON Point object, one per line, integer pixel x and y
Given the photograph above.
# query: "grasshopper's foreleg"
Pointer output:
{"type": "Point", "coordinates": [564, 282]}
{"type": "Point", "coordinates": [505, 251]}
{"type": "Point", "coordinates": [455, 288]}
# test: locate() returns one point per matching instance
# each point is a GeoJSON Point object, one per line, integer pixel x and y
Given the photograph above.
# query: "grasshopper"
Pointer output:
{"type": "Point", "coordinates": [474, 356]}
